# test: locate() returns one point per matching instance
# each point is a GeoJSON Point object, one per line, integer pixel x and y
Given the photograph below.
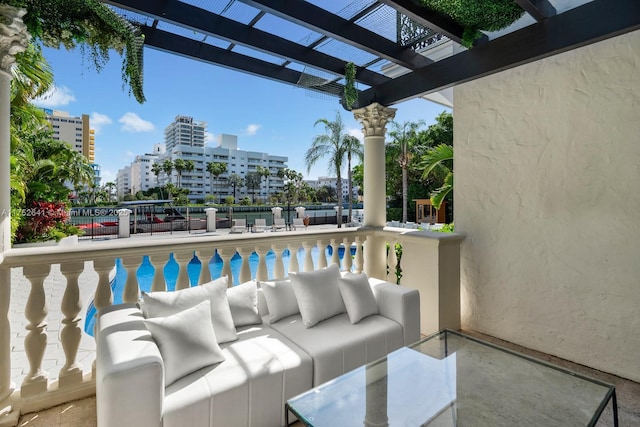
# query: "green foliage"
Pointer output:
{"type": "Point", "coordinates": [229, 200]}
{"type": "Point", "coordinates": [398, 272]}
{"type": "Point", "coordinates": [245, 201]}
{"type": "Point", "coordinates": [350, 91]}
{"type": "Point", "coordinates": [447, 228]}
{"type": "Point", "coordinates": [477, 15]}
{"type": "Point", "coordinates": [91, 25]}
{"type": "Point", "coordinates": [394, 214]}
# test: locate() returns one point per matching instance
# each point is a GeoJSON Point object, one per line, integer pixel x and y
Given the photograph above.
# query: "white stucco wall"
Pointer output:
{"type": "Point", "coordinates": [547, 193]}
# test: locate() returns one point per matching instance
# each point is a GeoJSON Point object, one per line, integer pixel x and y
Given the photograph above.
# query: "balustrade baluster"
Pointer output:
{"type": "Point", "coordinates": [359, 261]}
{"type": "Point", "coordinates": [245, 270]}
{"type": "Point", "coordinates": [293, 258]}
{"type": "Point", "coordinates": [183, 258]}
{"type": "Point", "coordinates": [158, 262]}
{"type": "Point", "coordinates": [131, 291]}
{"type": "Point", "coordinates": [308, 259]}
{"type": "Point", "coordinates": [335, 257]}
{"type": "Point", "coordinates": [6, 385]}
{"type": "Point", "coordinates": [392, 261]}
{"type": "Point", "coordinates": [262, 273]}
{"type": "Point", "coordinates": [103, 297]}
{"type": "Point", "coordinates": [226, 254]}
{"type": "Point", "coordinates": [347, 261]}
{"type": "Point", "coordinates": [71, 372]}
{"type": "Point", "coordinates": [35, 342]}
{"type": "Point", "coordinates": [278, 268]}
{"type": "Point", "coordinates": [322, 254]}
{"type": "Point", "coordinates": [204, 255]}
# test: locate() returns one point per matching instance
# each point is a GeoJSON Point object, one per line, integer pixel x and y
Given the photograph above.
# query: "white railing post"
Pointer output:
{"type": "Point", "coordinates": [183, 258]}
{"type": "Point", "coordinates": [131, 289]}
{"type": "Point", "coordinates": [392, 261]}
{"type": "Point", "coordinates": [6, 385]}
{"type": "Point", "coordinates": [262, 273]}
{"type": "Point", "coordinates": [226, 254]}
{"type": "Point", "coordinates": [335, 256]}
{"type": "Point", "coordinates": [124, 228]}
{"type": "Point", "coordinates": [71, 372]}
{"type": "Point", "coordinates": [158, 261]}
{"type": "Point", "coordinates": [293, 258]}
{"type": "Point", "coordinates": [347, 261]}
{"type": "Point", "coordinates": [204, 255]}
{"type": "Point", "coordinates": [359, 261]}
{"type": "Point", "coordinates": [211, 219]}
{"type": "Point", "coordinates": [35, 342]}
{"type": "Point", "coordinates": [322, 254]}
{"type": "Point", "coordinates": [278, 268]}
{"type": "Point", "coordinates": [245, 270]}
{"type": "Point", "coordinates": [308, 259]}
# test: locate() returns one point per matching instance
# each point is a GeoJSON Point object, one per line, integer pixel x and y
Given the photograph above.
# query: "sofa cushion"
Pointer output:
{"type": "Point", "coordinates": [337, 346]}
{"type": "Point", "coordinates": [159, 304]}
{"type": "Point", "coordinates": [358, 296]}
{"type": "Point", "coordinates": [186, 341]}
{"type": "Point", "coordinates": [261, 370]}
{"type": "Point", "coordinates": [281, 301]}
{"type": "Point", "coordinates": [243, 302]}
{"type": "Point", "coordinates": [318, 294]}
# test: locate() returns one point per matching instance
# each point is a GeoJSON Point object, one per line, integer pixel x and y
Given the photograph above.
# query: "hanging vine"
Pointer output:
{"type": "Point", "coordinates": [92, 26]}
{"type": "Point", "coordinates": [477, 15]}
{"type": "Point", "coordinates": [350, 91]}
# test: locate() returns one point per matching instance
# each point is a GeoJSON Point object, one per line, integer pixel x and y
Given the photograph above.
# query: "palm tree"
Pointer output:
{"type": "Point", "coordinates": [216, 169]}
{"type": "Point", "coordinates": [402, 148]}
{"type": "Point", "coordinates": [167, 168]}
{"type": "Point", "coordinates": [236, 181]}
{"type": "Point", "coordinates": [439, 157]}
{"type": "Point", "coordinates": [179, 165]}
{"type": "Point", "coordinates": [352, 147]}
{"type": "Point", "coordinates": [110, 187]}
{"type": "Point", "coordinates": [156, 168]}
{"type": "Point", "coordinates": [252, 181]}
{"type": "Point", "coordinates": [189, 166]}
{"type": "Point", "coordinates": [264, 173]}
{"type": "Point", "coordinates": [331, 144]}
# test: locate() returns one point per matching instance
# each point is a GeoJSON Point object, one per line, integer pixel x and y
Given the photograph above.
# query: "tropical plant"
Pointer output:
{"type": "Point", "coordinates": [439, 157]}
{"type": "Point", "coordinates": [350, 96]}
{"type": "Point", "coordinates": [292, 181]}
{"type": "Point", "coordinates": [156, 168]}
{"type": "Point", "coordinates": [403, 147]}
{"type": "Point", "coordinates": [236, 181]}
{"type": "Point", "coordinates": [331, 144]}
{"type": "Point", "coordinates": [179, 166]}
{"type": "Point", "coordinates": [352, 147]}
{"type": "Point", "coordinates": [476, 15]}
{"type": "Point", "coordinates": [167, 168]}
{"type": "Point", "coordinates": [264, 173]}
{"type": "Point", "coordinates": [216, 169]}
{"type": "Point", "coordinates": [91, 25]}
{"type": "Point", "coordinates": [189, 166]}
{"type": "Point", "coordinates": [252, 181]}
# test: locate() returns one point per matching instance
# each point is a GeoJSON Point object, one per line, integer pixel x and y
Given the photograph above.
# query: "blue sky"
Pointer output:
{"type": "Point", "coordinates": [266, 115]}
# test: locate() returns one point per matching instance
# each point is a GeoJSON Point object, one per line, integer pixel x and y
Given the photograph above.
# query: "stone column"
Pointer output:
{"type": "Point", "coordinates": [124, 229]}
{"type": "Point", "coordinates": [13, 39]}
{"type": "Point", "coordinates": [374, 119]}
{"type": "Point", "coordinates": [211, 219]}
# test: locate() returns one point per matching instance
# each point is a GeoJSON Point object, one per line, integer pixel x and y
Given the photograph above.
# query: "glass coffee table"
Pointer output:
{"type": "Point", "coordinates": [451, 379]}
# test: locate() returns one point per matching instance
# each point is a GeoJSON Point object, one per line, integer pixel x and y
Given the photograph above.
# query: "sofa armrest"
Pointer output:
{"type": "Point", "coordinates": [400, 304]}
{"type": "Point", "coordinates": [129, 370]}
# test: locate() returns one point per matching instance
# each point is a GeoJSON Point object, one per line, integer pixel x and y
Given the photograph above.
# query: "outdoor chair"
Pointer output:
{"type": "Point", "coordinates": [279, 224]}
{"type": "Point", "coordinates": [260, 225]}
{"type": "Point", "coordinates": [239, 226]}
{"type": "Point", "coordinates": [298, 223]}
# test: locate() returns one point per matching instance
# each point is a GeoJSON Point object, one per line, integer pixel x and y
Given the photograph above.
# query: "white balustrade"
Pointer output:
{"type": "Point", "coordinates": [37, 262]}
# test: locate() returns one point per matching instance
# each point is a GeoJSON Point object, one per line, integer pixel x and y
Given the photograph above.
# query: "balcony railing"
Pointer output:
{"type": "Point", "coordinates": [38, 391]}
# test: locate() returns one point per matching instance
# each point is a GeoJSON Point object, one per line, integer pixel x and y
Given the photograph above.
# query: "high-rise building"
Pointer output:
{"type": "Point", "coordinates": [123, 182]}
{"type": "Point", "coordinates": [185, 131]}
{"type": "Point", "coordinates": [76, 132]}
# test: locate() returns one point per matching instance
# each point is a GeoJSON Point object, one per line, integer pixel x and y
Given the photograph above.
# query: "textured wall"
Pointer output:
{"type": "Point", "coordinates": [547, 193]}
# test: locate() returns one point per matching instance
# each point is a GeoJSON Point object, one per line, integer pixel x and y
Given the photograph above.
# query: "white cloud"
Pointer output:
{"type": "Point", "coordinates": [129, 154]}
{"type": "Point", "coordinates": [131, 122]}
{"type": "Point", "coordinates": [356, 132]}
{"type": "Point", "coordinates": [98, 120]}
{"type": "Point", "coordinates": [56, 97]}
{"type": "Point", "coordinates": [252, 129]}
{"type": "Point", "coordinates": [208, 137]}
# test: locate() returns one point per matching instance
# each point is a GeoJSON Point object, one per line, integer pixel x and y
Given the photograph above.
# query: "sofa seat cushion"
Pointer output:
{"type": "Point", "coordinates": [337, 346]}
{"type": "Point", "coordinates": [261, 370]}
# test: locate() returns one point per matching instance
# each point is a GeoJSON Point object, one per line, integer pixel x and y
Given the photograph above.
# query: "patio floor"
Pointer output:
{"type": "Point", "coordinates": [83, 412]}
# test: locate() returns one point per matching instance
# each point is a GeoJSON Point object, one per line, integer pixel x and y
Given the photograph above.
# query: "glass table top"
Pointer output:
{"type": "Point", "coordinates": [450, 379]}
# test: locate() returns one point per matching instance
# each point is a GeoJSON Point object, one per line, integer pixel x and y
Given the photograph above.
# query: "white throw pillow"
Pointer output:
{"type": "Point", "coordinates": [358, 296]}
{"type": "Point", "coordinates": [160, 304]}
{"type": "Point", "coordinates": [186, 340]}
{"type": "Point", "coordinates": [281, 301]}
{"type": "Point", "coordinates": [318, 294]}
{"type": "Point", "coordinates": [243, 302]}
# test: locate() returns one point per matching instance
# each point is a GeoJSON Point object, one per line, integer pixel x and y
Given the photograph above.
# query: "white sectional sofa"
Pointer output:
{"type": "Point", "coordinates": [274, 356]}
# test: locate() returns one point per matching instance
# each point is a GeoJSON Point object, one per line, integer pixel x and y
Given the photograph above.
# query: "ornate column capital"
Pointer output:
{"type": "Point", "coordinates": [374, 117]}
{"type": "Point", "coordinates": [13, 35]}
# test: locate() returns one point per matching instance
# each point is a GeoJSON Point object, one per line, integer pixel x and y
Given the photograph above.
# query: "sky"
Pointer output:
{"type": "Point", "coordinates": [267, 116]}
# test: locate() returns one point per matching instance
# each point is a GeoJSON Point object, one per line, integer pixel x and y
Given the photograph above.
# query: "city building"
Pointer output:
{"type": "Point", "coordinates": [185, 131]}
{"type": "Point", "coordinates": [76, 132]}
{"type": "Point", "coordinates": [326, 181]}
{"type": "Point", "coordinates": [123, 182]}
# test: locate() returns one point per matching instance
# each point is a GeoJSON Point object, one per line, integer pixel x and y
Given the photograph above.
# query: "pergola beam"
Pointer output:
{"type": "Point", "coordinates": [193, 49]}
{"type": "Point", "coordinates": [538, 9]}
{"type": "Point", "coordinates": [205, 22]}
{"type": "Point", "coordinates": [589, 23]}
{"type": "Point", "coordinates": [317, 19]}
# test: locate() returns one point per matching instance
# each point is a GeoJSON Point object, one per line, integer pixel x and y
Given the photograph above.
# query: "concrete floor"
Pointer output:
{"type": "Point", "coordinates": [82, 413]}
